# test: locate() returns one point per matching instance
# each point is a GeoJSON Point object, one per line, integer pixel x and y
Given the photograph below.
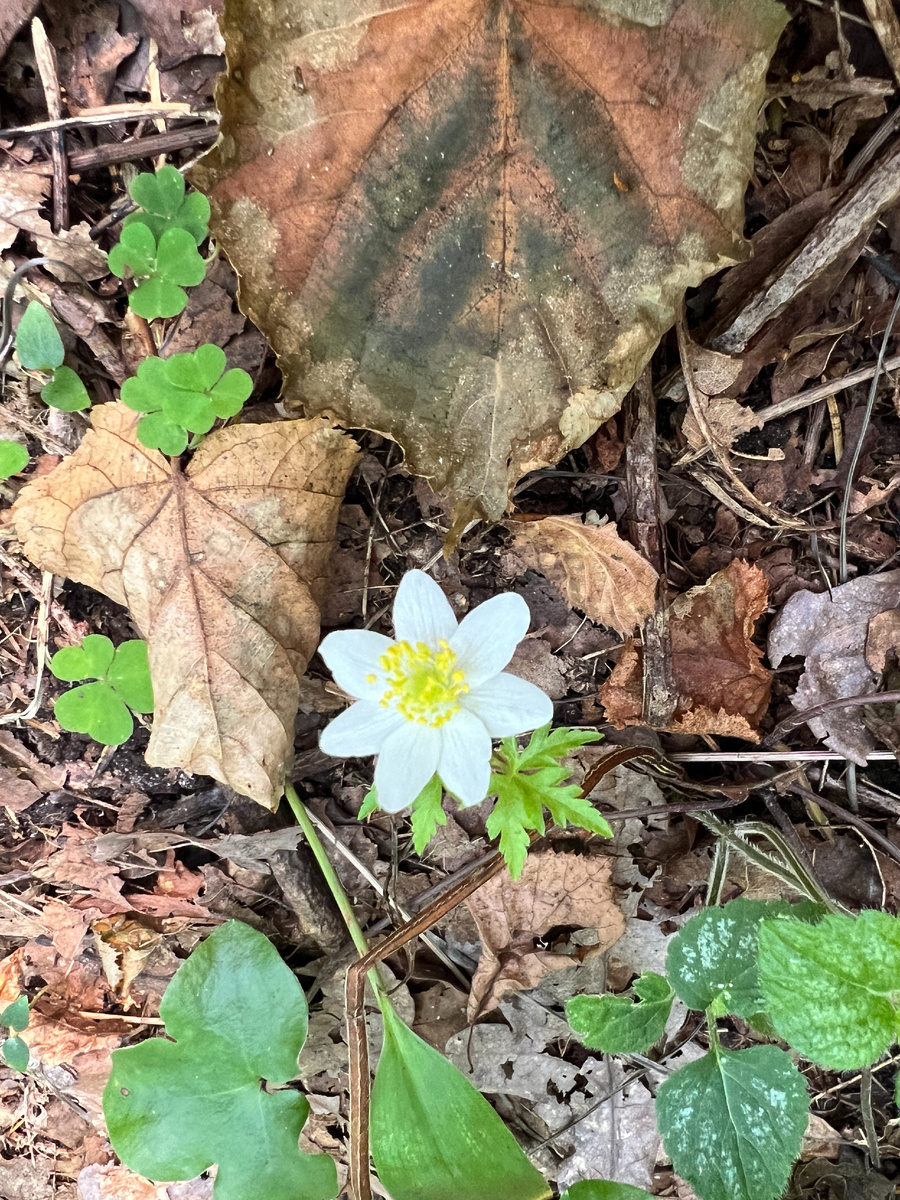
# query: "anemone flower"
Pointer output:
{"type": "Point", "coordinates": [430, 701]}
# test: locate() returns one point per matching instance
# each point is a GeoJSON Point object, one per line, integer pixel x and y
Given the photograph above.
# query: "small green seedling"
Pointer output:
{"type": "Point", "coordinates": [163, 268]}
{"type": "Point", "coordinates": [13, 1050]}
{"type": "Point", "coordinates": [164, 206]}
{"type": "Point", "coordinates": [13, 458]}
{"type": "Point", "coordinates": [122, 682]}
{"type": "Point", "coordinates": [186, 392]}
{"type": "Point", "coordinates": [39, 348]}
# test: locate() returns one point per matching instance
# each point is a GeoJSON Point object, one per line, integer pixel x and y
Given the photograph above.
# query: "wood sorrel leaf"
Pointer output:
{"type": "Point", "coordinates": [238, 1017]}
{"type": "Point", "coordinates": [38, 343]}
{"type": "Point", "coordinates": [434, 1137]}
{"type": "Point", "coordinates": [733, 1123]}
{"type": "Point", "coordinates": [603, 1189]}
{"type": "Point", "coordinates": [831, 990]}
{"type": "Point", "coordinates": [617, 1025]}
{"type": "Point", "coordinates": [95, 709]}
{"type": "Point", "coordinates": [91, 660]}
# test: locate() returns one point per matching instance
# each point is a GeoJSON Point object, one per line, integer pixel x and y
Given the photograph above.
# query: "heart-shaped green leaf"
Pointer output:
{"type": "Point", "coordinates": [135, 252]}
{"type": "Point", "coordinates": [617, 1025]}
{"type": "Point", "coordinates": [15, 1015]}
{"type": "Point", "coordinates": [129, 675]}
{"type": "Point", "coordinates": [157, 432]}
{"type": "Point", "coordinates": [434, 1137]}
{"type": "Point", "coordinates": [91, 660]}
{"type": "Point", "coordinates": [65, 391]}
{"type": "Point", "coordinates": [38, 343]}
{"type": "Point", "coordinates": [165, 206]}
{"type": "Point", "coordinates": [95, 709]}
{"type": "Point", "coordinates": [174, 1108]}
{"type": "Point", "coordinates": [15, 1053]}
{"type": "Point", "coordinates": [191, 390]}
{"type": "Point", "coordinates": [13, 458]}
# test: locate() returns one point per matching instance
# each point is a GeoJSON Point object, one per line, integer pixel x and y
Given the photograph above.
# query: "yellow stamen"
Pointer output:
{"type": "Point", "coordinates": [424, 685]}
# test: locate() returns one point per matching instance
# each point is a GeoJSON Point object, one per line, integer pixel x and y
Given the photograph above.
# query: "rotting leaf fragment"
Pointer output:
{"type": "Point", "coordinates": [469, 227]}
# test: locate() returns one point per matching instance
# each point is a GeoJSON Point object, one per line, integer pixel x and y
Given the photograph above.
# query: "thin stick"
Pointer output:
{"type": "Point", "coordinates": [45, 57]}
{"type": "Point", "coordinates": [110, 114]}
{"type": "Point", "coordinates": [820, 710]}
{"type": "Point", "coordinates": [822, 391]}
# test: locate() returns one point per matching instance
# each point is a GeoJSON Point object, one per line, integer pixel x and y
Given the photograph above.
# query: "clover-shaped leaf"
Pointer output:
{"type": "Point", "coordinates": [238, 1018]}
{"type": "Point", "coordinates": [13, 458]}
{"type": "Point", "coordinates": [122, 681]}
{"type": "Point", "coordinates": [38, 343]}
{"type": "Point", "coordinates": [165, 206]}
{"type": "Point", "coordinates": [165, 268]}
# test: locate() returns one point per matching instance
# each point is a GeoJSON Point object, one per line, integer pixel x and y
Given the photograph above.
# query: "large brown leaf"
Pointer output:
{"type": "Point", "coordinates": [220, 568]}
{"type": "Point", "coordinates": [465, 223]}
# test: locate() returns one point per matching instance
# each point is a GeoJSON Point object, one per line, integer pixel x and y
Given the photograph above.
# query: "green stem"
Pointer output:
{"type": "Point", "coordinates": [715, 1045]}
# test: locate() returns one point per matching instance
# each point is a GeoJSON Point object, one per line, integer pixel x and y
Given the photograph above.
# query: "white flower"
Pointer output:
{"type": "Point", "coordinates": [431, 701]}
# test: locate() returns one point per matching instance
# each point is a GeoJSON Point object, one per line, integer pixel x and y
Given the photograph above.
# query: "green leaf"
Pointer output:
{"type": "Point", "coordinates": [196, 372]}
{"type": "Point", "coordinates": [165, 206]}
{"type": "Point", "coordinates": [190, 389]}
{"type": "Point", "coordinates": [135, 251]}
{"type": "Point", "coordinates": [91, 660]}
{"type": "Point", "coordinates": [733, 1122]}
{"type": "Point", "coordinates": [368, 806]}
{"type": "Point", "coordinates": [427, 813]}
{"type": "Point", "coordinates": [15, 1053]}
{"type": "Point", "coordinates": [13, 458]}
{"type": "Point", "coordinates": [95, 709]}
{"type": "Point", "coordinates": [157, 298]}
{"type": "Point", "coordinates": [617, 1025]}
{"type": "Point", "coordinates": [604, 1189]}
{"type": "Point", "coordinates": [157, 432]}
{"type": "Point", "coordinates": [129, 676]}
{"type": "Point", "coordinates": [38, 343]}
{"type": "Point", "coordinates": [166, 268]}
{"type": "Point", "coordinates": [712, 961]}
{"type": "Point", "coordinates": [65, 391]}
{"type": "Point", "coordinates": [144, 392]}
{"type": "Point", "coordinates": [174, 1108]}
{"type": "Point", "coordinates": [177, 259]}
{"type": "Point", "coordinates": [434, 1137]}
{"type": "Point", "coordinates": [832, 990]}
{"type": "Point", "coordinates": [15, 1015]}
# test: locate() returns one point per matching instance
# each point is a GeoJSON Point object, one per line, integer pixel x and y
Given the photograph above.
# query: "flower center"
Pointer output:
{"type": "Point", "coordinates": [423, 684]}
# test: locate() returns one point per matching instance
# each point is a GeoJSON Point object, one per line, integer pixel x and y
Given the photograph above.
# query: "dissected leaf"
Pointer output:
{"type": "Point", "coordinates": [467, 226]}
{"type": "Point", "coordinates": [38, 344]}
{"type": "Point", "coordinates": [600, 574]}
{"type": "Point", "coordinates": [830, 629]}
{"type": "Point", "coordinates": [553, 890]}
{"type": "Point", "coordinates": [434, 1137]}
{"type": "Point", "coordinates": [13, 458]}
{"type": "Point", "coordinates": [832, 990]}
{"type": "Point", "coordinates": [238, 1018]}
{"type": "Point", "coordinates": [733, 1122]}
{"type": "Point", "coordinates": [220, 567]}
{"type": "Point", "coordinates": [617, 1025]}
{"type": "Point", "coordinates": [427, 813]}
{"type": "Point", "coordinates": [721, 685]}
{"type": "Point", "coordinates": [65, 391]}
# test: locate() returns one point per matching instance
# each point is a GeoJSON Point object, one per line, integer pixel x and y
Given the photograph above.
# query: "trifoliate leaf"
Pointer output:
{"type": "Point", "coordinates": [434, 1137]}
{"type": "Point", "coordinates": [832, 990]}
{"type": "Point", "coordinates": [617, 1025]}
{"type": "Point", "coordinates": [144, 392]}
{"type": "Point", "coordinates": [38, 343]}
{"type": "Point", "coordinates": [733, 1122]}
{"type": "Point", "coordinates": [91, 660]}
{"type": "Point", "coordinates": [15, 1053]}
{"type": "Point", "coordinates": [174, 1108]}
{"type": "Point", "coordinates": [427, 814]}
{"type": "Point", "coordinates": [166, 268]}
{"type": "Point", "coordinates": [165, 206]}
{"type": "Point", "coordinates": [129, 676]}
{"type": "Point", "coordinates": [604, 1189]}
{"type": "Point", "coordinates": [65, 391]}
{"type": "Point", "coordinates": [13, 458]}
{"type": "Point", "coordinates": [191, 390]}
{"type": "Point", "coordinates": [15, 1015]}
{"type": "Point", "coordinates": [157, 432]}
{"type": "Point", "coordinates": [712, 961]}
{"type": "Point", "coordinates": [95, 709]}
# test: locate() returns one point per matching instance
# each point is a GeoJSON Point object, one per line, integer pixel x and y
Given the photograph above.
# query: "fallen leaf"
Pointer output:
{"type": "Point", "coordinates": [553, 890]}
{"type": "Point", "coordinates": [883, 638]}
{"type": "Point", "coordinates": [599, 572]}
{"type": "Point", "coordinates": [722, 686]}
{"type": "Point", "coordinates": [16, 794]}
{"type": "Point", "coordinates": [220, 566]}
{"type": "Point", "coordinates": [830, 631]}
{"type": "Point", "coordinates": [112, 1181]}
{"type": "Point", "coordinates": [466, 225]}
{"type": "Point", "coordinates": [27, 1178]}
{"type": "Point", "coordinates": [21, 195]}
{"type": "Point", "coordinates": [14, 754]}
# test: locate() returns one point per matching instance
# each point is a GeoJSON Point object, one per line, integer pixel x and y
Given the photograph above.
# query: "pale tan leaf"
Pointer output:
{"type": "Point", "coordinates": [220, 566]}
{"type": "Point", "coordinates": [599, 572]}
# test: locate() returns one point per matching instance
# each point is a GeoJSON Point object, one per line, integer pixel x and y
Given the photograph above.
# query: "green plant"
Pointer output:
{"type": "Point", "coordinates": [101, 708]}
{"type": "Point", "coordinates": [186, 392]}
{"type": "Point", "coordinates": [163, 267]}
{"type": "Point", "coordinates": [164, 205]}
{"type": "Point", "coordinates": [13, 458]}
{"type": "Point", "coordinates": [39, 348]}
{"type": "Point", "coordinates": [13, 1050]}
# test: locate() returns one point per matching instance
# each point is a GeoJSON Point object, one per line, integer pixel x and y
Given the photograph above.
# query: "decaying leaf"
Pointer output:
{"type": "Point", "coordinates": [599, 572]}
{"type": "Point", "coordinates": [712, 415]}
{"type": "Point", "coordinates": [722, 687]}
{"type": "Point", "coordinates": [831, 631]}
{"type": "Point", "coordinates": [220, 567]}
{"type": "Point", "coordinates": [553, 890]}
{"type": "Point", "coordinates": [466, 223]}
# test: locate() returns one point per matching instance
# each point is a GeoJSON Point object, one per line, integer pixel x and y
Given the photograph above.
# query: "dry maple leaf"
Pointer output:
{"type": "Point", "coordinates": [466, 223]}
{"type": "Point", "coordinates": [220, 567]}
{"type": "Point", "coordinates": [722, 686]}
{"type": "Point", "coordinates": [600, 574]}
{"type": "Point", "coordinates": [554, 890]}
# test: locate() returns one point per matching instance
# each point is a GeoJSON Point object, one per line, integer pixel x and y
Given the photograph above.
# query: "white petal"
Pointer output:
{"type": "Point", "coordinates": [508, 705]}
{"type": "Point", "coordinates": [487, 638]}
{"type": "Point", "coordinates": [422, 612]}
{"type": "Point", "coordinates": [465, 766]}
{"type": "Point", "coordinates": [361, 729]}
{"type": "Point", "coordinates": [408, 759]}
{"type": "Point", "coordinates": [351, 656]}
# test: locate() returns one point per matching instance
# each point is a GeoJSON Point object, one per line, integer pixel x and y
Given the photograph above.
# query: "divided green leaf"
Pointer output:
{"type": "Point", "coordinates": [165, 268]}
{"type": "Point", "coordinates": [528, 780]}
{"type": "Point", "coordinates": [617, 1025]}
{"type": "Point", "coordinates": [603, 1189]}
{"type": "Point", "coordinates": [733, 1122]}
{"type": "Point", "coordinates": [13, 458]}
{"type": "Point", "coordinates": [100, 709]}
{"type": "Point", "coordinates": [15, 1053]}
{"type": "Point", "coordinates": [238, 1018]}
{"type": "Point", "coordinates": [832, 990]}
{"type": "Point", "coordinates": [165, 206]}
{"type": "Point", "coordinates": [15, 1015]}
{"type": "Point", "coordinates": [38, 343]}
{"type": "Point", "coordinates": [65, 391]}
{"type": "Point", "coordinates": [434, 1137]}
{"type": "Point", "coordinates": [427, 813]}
